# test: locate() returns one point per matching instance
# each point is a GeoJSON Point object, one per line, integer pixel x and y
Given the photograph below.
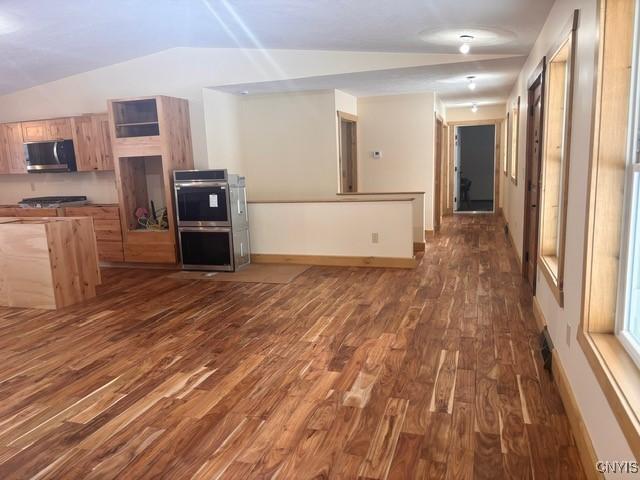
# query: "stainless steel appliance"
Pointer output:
{"type": "Point", "coordinates": [53, 202]}
{"type": "Point", "coordinates": [53, 156]}
{"type": "Point", "coordinates": [212, 218]}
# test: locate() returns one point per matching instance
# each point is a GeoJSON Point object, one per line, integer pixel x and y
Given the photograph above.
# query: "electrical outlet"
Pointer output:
{"type": "Point", "coordinates": [374, 237]}
{"type": "Point", "coordinates": [377, 154]}
{"type": "Point", "coordinates": [568, 339]}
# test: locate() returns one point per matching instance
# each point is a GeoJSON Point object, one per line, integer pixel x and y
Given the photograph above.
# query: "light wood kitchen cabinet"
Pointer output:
{"type": "Point", "coordinates": [34, 131]}
{"type": "Point", "coordinates": [59, 129]}
{"type": "Point", "coordinates": [92, 142]}
{"type": "Point", "coordinates": [45, 130]}
{"type": "Point", "coordinates": [12, 159]}
{"type": "Point", "coordinates": [7, 212]}
{"type": "Point", "coordinates": [36, 212]}
{"type": "Point", "coordinates": [17, 211]}
{"type": "Point", "coordinates": [47, 262]}
{"type": "Point", "coordinates": [106, 222]}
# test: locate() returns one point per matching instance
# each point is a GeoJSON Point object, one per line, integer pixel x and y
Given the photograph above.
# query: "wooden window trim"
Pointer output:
{"type": "Point", "coordinates": [513, 163]}
{"type": "Point", "coordinates": [552, 266]}
{"type": "Point", "coordinates": [615, 370]}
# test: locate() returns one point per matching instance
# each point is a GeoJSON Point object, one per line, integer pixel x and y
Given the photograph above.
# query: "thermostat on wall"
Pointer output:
{"type": "Point", "coordinates": [376, 154]}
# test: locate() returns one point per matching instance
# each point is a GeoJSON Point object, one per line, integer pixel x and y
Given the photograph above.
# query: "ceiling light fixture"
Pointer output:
{"type": "Point", "coordinates": [472, 83]}
{"type": "Point", "coordinates": [474, 108]}
{"type": "Point", "coordinates": [466, 43]}
{"type": "Point", "coordinates": [244, 92]}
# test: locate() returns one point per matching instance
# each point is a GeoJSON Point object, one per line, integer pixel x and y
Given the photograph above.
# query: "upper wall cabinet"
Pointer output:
{"type": "Point", "coordinates": [92, 142]}
{"type": "Point", "coordinates": [44, 130]}
{"type": "Point", "coordinates": [136, 118]}
{"type": "Point", "coordinates": [12, 158]}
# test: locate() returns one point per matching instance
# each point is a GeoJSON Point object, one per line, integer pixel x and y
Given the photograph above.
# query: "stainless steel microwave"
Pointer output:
{"type": "Point", "coordinates": [54, 156]}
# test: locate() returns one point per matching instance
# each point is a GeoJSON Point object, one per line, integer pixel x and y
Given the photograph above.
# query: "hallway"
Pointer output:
{"type": "Point", "coordinates": [346, 372]}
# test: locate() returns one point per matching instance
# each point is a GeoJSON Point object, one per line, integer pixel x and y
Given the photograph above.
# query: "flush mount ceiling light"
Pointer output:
{"type": "Point", "coordinates": [244, 92]}
{"type": "Point", "coordinates": [472, 82]}
{"type": "Point", "coordinates": [474, 108]}
{"type": "Point", "coordinates": [466, 43]}
{"type": "Point", "coordinates": [456, 36]}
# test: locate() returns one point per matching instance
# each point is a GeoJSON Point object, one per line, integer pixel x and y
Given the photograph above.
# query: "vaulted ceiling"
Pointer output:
{"type": "Point", "coordinates": [44, 40]}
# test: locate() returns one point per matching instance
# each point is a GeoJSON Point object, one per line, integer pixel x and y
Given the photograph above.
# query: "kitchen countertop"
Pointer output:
{"type": "Point", "coordinates": [15, 205]}
{"type": "Point", "coordinates": [337, 200]}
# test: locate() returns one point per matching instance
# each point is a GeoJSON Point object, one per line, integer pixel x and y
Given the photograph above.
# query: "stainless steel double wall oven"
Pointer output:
{"type": "Point", "coordinates": [212, 218]}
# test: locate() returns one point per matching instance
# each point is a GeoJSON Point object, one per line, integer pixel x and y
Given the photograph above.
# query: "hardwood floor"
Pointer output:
{"type": "Point", "coordinates": [344, 373]}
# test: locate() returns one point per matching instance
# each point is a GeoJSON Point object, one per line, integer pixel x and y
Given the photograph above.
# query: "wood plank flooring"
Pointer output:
{"type": "Point", "coordinates": [344, 373]}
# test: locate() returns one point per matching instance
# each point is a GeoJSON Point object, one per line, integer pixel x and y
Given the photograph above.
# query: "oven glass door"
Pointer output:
{"type": "Point", "coordinates": [208, 249]}
{"type": "Point", "coordinates": [202, 204]}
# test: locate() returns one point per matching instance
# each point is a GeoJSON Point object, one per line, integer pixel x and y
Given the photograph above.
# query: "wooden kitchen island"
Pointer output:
{"type": "Point", "coordinates": [47, 262]}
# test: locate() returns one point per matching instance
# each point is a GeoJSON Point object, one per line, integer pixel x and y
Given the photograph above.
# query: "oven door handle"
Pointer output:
{"type": "Point", "coordinates": [222, 185]}
{"type": "Point", "coordinates": [205, 229]}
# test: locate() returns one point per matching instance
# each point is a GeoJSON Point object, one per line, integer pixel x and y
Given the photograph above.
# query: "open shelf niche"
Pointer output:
{"type": "Point", "coordinates": [142, 183]}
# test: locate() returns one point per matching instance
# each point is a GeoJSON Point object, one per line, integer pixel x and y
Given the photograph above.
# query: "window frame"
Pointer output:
{"type": "Point", "coordinates": [615, 370]}
{"type": "Point", "coordinates": [631, 211]}
{"type": "Point", "coordinates": [514, 139]}
{"type": "Point", "coordinates": [552, 266]}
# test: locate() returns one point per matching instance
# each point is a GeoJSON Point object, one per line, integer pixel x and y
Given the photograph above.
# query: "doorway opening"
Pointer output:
{"type": "Point", "coordinates": [474, 168]}
{"type": "Point", "coordinates": [348, 150]}
{"type": "Point", "coordinates": [532, 180]}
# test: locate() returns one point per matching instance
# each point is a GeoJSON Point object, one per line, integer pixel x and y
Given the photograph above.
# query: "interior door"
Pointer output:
{"type": "Point", "coordinates": [534, 150]}
{"type": "Point", "coordinates": [456, 169]}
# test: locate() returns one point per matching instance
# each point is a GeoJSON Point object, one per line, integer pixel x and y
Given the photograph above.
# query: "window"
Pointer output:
{"type": "Point", "coordinates": [515, 132]}
{"type": "Point", "coordinates": [555, 162]}
{"type": "Point", "coordinates": [628, 305]}
{"type": "Point", "coordinates": [609, 328]}
{"type": "Point", "coordinates": [628, 315]}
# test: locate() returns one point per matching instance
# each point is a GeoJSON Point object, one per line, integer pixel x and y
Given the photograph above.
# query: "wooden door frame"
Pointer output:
{"type": "Point", "coordinates": [353, 121]}
{"type": "Point", "coordinates": [438, 183]}
{"type": "Point", "coordinates": [447, 207]}
{"type": "Point", "coordinates": [497, 165]}
{"type": "Point", "coordinates": [538, 76]}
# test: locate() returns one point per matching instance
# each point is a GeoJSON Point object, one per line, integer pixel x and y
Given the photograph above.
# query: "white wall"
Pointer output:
{"type": "Point", "coordinates": [485, 112]}
{"type": "Point", "coordinates": [332, 228]}
{"type": "Point", "coordinates": [440, 108]}
{"type": "Point", "coordinates": [289, 145]}
{"type": "Point", "coordinates": [402, 128]}
{"type": "Point", "coordinates": [222, 128]}
{"type": "Point", "coordinates": [417, 208]}
{"type": "Point", "coordinates": [99, 187]}
{"type": "Point", "coordinates": [181, 72]}
{"type": "Point", "coordinates": [608, 440]}
{"type": "Point", "coordinates": [285, 143]}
